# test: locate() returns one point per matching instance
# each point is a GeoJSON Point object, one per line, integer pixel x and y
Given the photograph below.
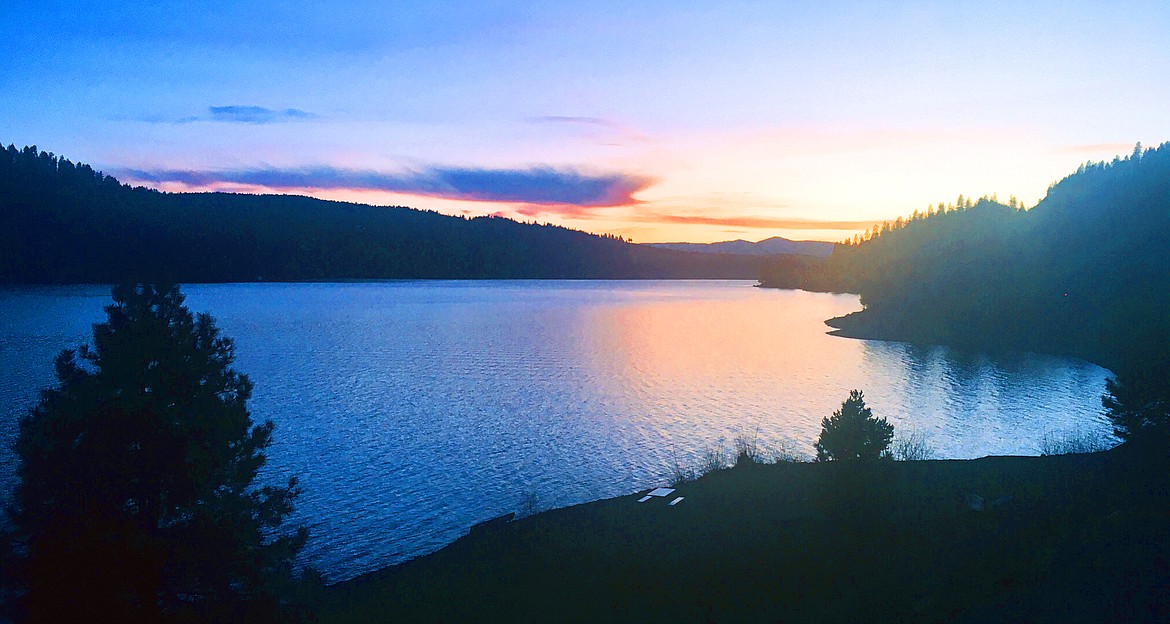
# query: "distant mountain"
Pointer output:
{"type": "Point", "coordinates": [62, 222]}
{"type": "Point", "coordinates": [767, 247]}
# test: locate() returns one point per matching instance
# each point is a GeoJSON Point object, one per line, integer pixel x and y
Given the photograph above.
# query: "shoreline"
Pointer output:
{"type": "Point", "coordinates": [924, 540]}
{"type": "Point", "coordinates": [863, 325]}
{"type": "Point", "coordinates": [858, 326]}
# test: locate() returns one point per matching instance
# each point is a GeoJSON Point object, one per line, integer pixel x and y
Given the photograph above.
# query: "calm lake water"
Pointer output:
{"type": "Point", "coordinates": [411, 410]}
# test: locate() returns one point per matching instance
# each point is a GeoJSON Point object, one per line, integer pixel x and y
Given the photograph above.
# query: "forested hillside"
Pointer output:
{"type": "Point", "coordinates": [62, 222]}
{"type": "Point", "coordinates": [768, 247]}
{"type": "Point", "coordinates": [1085, 272]}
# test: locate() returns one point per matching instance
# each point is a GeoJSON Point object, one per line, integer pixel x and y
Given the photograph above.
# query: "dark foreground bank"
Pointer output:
{"type": "Point", "coordinates": [1039, 539]}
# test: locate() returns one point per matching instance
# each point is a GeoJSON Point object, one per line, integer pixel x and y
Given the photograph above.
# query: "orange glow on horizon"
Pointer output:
{"type": "Point", "coordinates": [799, 183]}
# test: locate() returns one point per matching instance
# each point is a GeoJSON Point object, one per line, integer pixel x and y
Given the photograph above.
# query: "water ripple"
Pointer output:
{"type": "Point", "coordinates": [412, 410]}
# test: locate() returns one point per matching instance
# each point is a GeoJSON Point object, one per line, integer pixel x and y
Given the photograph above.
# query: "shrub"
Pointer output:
{"type": "Point", "coordinates": [912, 447]}
{"type": "Point", "coordinates": [530, 505]}
{"type": "Point", "coordinates": [678, 472]}
{"type": "Point", "coordinates": [714, 458]}
{"type": "Point", "coordinates": [747, 449]}
{"type": "Point", "coordinates": [785, 453]}
{"type": "Point", "coordinates": [1069, 442]}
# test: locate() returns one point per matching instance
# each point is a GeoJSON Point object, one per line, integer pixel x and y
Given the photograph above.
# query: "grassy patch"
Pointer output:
{"type": "Point", "coordinates": [1076, 441]}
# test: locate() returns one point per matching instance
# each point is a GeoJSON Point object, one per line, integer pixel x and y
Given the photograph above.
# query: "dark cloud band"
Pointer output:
{"type": "Point", "coordinates": [250, 115]}
{"type": "Point", "coordinates": [544, 186]}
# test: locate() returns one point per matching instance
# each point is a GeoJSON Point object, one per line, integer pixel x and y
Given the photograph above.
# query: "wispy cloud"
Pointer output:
{"type": "Point", "coordinates": [541, 186]}
{"type": "Point", "coordinates": [658, 217]}
{"type": "Point", "coordinates": [572, 119]}
{"type": "Point", "coordinates": [250, 115]}
{"type": "Point", "coordinates": [754, 221]}
{"type": "Point", "coordinates": [605, 131]}
{"type": "Point", "coordinates": [564, 211]}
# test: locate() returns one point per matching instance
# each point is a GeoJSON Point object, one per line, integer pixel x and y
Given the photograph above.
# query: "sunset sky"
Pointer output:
{"type": "Point", "coordinates": [659, 121]}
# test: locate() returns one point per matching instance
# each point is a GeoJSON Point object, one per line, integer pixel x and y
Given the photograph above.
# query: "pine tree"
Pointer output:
{"type": "Point", "coordinates": [853, 433]}
{"type": "Point", "coordinates": [1137, 401]}
{"type": "Point", "coordinates": [136, 498]}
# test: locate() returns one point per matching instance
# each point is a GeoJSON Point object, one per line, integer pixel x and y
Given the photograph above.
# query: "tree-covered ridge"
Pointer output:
{"type": "Point", "coordinates": [1084, 272]}
{"type": "Point", "coordinates": [62, 222]}
{"type": "Point", "coordinates": [893, 248]}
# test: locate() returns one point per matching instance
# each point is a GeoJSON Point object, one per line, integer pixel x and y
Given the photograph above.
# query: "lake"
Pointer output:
{"type": "Point", "coordinates": [411, 410]}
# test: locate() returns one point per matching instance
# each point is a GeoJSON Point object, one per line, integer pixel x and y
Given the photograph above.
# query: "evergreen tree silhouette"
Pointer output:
{"type": "Point", "coordinates": [853, 433]}
{"type": "Point", "coordinates": [136, 498]}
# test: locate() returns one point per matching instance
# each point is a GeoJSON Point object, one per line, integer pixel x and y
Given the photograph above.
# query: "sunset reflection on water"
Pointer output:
{"type": "Point", "coordinates": [411, 410]}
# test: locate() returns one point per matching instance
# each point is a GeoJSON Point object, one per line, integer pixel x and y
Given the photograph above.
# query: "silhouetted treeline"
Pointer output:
{"type": "Point", "coordinates": [1085, 272]}
{"type": "Point", "coordinates": [62, 222]}
{"type": "Point", "coordinates": [803, 272]}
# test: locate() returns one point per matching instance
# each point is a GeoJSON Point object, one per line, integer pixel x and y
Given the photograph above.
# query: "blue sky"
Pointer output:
{"type": "Point", "coordinates": [655, 120]}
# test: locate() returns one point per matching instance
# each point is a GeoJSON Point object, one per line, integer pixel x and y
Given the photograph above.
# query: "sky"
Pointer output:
{"type": "Point", "coordinates": [655, 121]}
